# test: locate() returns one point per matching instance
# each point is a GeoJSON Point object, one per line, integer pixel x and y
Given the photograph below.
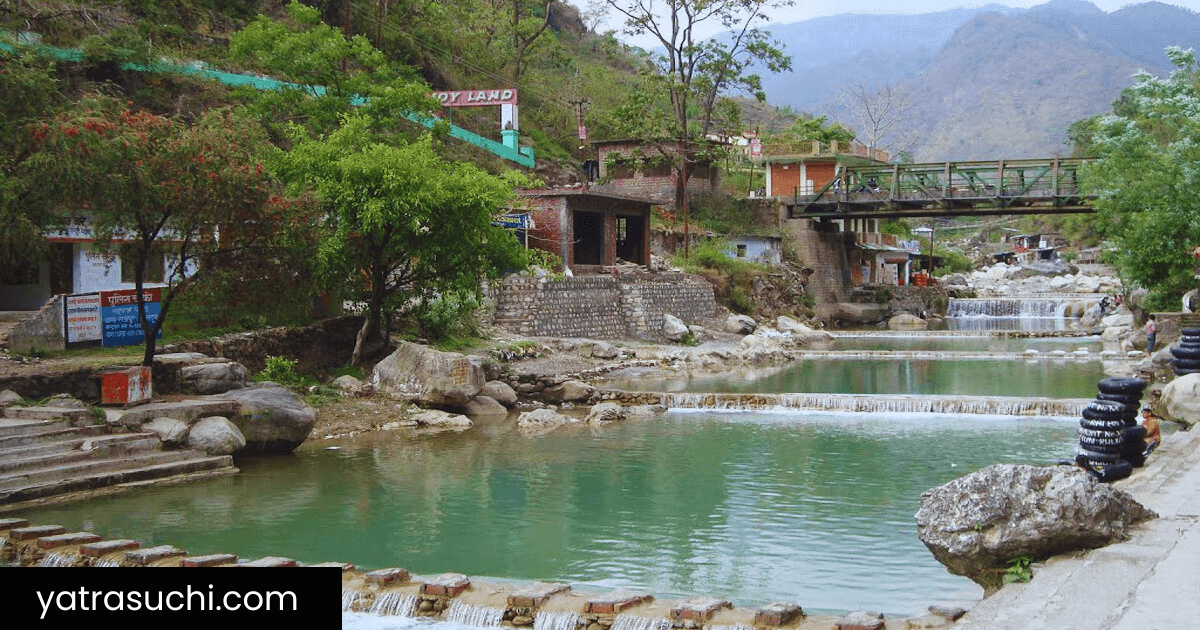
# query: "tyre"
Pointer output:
{"type": "Point", "coordinates": [1112, 472]}
{"type": "Point", "coordinates": [1111, 450]}
{"type": "Point", "coordinates": [1100, 433]}
{"type": "Point", "coordinates": [1190, 332]}
{"type": "Point", "coordinates": [1185, 364]}
{"type": "Point", "coordinates": [1124, 399]}
{"type": "Point", "coordinates": [1179, 372]}
{"type": "Point", "coordinates": [1131, 434]}
{"type": "Point", "coordinates": [1189, 353]}
{"type": "Point", "coordinates": [1112, 438]}
{"type": "Point", "coordinates": [1095, 456]}
{"type": "Point", "coordinates": [1102, 425]}
{"type": "Point", "coordinates": [1128, 449]}
{"type": "Point", "coordinates": [1137, 461]}
{"type": "Point", "coordinates": [1122, 385]}
{"type": "Point", "coordinates": [1092, 414]}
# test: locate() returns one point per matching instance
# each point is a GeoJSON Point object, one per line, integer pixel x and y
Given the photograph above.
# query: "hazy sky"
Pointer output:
{"type": "Point", "coordinates": [807, 9]}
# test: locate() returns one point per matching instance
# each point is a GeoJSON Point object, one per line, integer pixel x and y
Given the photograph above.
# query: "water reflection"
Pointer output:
{"type": "Point", "coordinates": [806, 507]}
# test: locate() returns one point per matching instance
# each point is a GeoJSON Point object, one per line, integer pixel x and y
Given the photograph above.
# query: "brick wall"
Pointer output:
{"type": "Point", "coordinates": [601, 307]}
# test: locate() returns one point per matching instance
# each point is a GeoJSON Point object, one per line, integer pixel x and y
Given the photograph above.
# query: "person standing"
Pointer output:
{"type": "Point", "coordinates": [1151, 333]}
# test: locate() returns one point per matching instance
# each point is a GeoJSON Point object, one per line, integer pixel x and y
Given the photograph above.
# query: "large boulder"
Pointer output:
{"type": "Point", "coordinates": [485, 406]}
{"type": "Point", "coordinates": [907, 321]}
{"type": "Point", "coordinates": [9, 398]}
{"type": "Point", "coordinates": [606, 413]}
{"type": "Point", "coordinates": [171, 431]}
{"type": "Point", "coordinates": [441, 419]}
{"type": "Point", "coordinates": [975, 524]}
{"type": "Point", "coordinates": [214, 378]}
{"type": "Point", "coordinates": [215, 435]}
{"type": "Point", "coordinates": [542, 420]}
{"type": "Point", "coordinates": [570, 391]}
{"type": "Point", "coordinates": [500, 392]}
{"type": "Point", "coordinates": [429, 376]}
{"type": "Point", "coordinates": [740, 324]}
{"type": "Point", "coordinates": [273, 418]}
{"type": "Point", "coordinates": [673, 330]}
{"type": "Point", "coordinates": [1180, 399]}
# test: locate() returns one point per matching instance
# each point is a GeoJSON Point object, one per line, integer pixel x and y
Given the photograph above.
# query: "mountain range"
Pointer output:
{"type": "Point", "coordinates": [986, 83]}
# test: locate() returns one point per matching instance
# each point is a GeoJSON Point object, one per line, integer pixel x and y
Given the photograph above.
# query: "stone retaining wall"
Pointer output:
{"type": "Point", "coordinates": [42, 330]}
{"type": "Point", "coordinates": [601, 307]}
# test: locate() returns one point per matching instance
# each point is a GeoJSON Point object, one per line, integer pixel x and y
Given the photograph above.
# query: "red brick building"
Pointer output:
{"type": "Point", "coordinates": [588, 228]}
{"type": "Point", "coordinates": [638, 169]}
{"type": "Point", "coordinates": [804, 168]}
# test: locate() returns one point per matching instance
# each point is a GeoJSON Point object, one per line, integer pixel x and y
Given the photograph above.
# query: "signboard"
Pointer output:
{"type": "Point", "coordinates": [477, 98]}
{"type": "Point", "coordinates": [755, 147]}
{"type": "Point", "coordinates": [81, 320]}
{"type": "Point", "coordinates": [513, 221]}
{"type": "Point", "coordinates": [119, 315]}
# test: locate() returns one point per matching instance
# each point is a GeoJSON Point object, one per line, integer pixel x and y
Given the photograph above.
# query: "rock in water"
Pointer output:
{"type": "Point", "coordinates": [975, 524]}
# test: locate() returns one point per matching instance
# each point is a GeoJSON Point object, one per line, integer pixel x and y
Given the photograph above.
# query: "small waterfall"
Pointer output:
{"type": "Point", "coordinates": [565, 620]}
{"type": "Point", "coordinates": [391, 604]}
{"type": "Point", "coordinates": [55, 559]}
{"type": "Point", "coordinates": [106, 562]}
{"type": "Point", "coordinates": [880, 403]}
{"type": "Point", "coordinates": [634, 622]}
{"type": "Point", "coordinates": [475, 616]}
{"type": "Point", "coordinates": [722, 627]}
{"type": "Point", "coordinates": [1066, 305]}
{"type": "Point", "coordinates": [349, 599]}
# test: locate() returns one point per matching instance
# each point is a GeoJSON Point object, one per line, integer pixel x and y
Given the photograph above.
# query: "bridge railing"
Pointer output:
{"type": "Point", "coordinates": [1003, 181]}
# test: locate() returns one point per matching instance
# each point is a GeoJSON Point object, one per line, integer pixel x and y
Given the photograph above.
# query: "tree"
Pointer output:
{"type": "Point", "coordinates": [28, 93]}
{"type": "Point", "coordinates": [808, 128]}
{"type": "Point", "coordinates": [403, 223]}
{"type": "Point", "coordinates": [194, 195]}
{"type": "Point", "coordinates": [1148, 179]}
{"type": "Point", "coordinates": [329, 75]}
{"type": "Point", "coordinates": [880, 115]}
{"type": "Point", "coordinates": [693, 74]}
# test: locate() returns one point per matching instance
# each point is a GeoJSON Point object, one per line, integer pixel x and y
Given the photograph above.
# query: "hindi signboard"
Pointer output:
{"type": "Point", "coordinates": [81, 320]}
{"type": "Point", "coordinates": [119, 315]}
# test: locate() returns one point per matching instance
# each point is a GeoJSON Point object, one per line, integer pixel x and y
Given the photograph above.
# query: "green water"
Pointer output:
{"type": "Point", "coordinates": [1051, 378]}
{"type": "Point", "coordinates": [753, 507]}
{"type": "Point", "coordinates": [948, 343]}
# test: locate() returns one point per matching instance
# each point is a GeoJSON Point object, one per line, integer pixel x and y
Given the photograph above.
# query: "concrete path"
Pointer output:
{"type": "Point", "coordinates": [1150, 582]}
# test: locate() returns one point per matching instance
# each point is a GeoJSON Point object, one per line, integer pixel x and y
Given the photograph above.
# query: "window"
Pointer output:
{"type": "Point", "coordinates": [155, 267]}
{"type": "Point", "coordinates": [741, 251]}
{"type": "Point", "coordinates": [21, 273]}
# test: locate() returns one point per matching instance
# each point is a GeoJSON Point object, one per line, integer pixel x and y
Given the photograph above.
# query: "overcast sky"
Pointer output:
{"type": "Point", "coordinates": [808, 9]}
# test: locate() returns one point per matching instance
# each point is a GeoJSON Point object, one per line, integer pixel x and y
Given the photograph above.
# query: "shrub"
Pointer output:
{"type": "Point", "coordinates": [283, 371]}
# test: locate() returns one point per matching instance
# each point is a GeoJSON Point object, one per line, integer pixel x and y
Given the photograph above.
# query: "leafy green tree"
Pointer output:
{"type": "Point", "coordinates": [1148, 178]}
{"type": "Point", "coordinates": [694, 74]}
{"type": "Point", "coordinates": [329, 75]}
{"type": "Point", "coordinates": [194, 195]}
{"type": "Point", "coordinates": [404, 224]}
{"type": "Point", "coordinates": [28, 93]}
{"type": "Point", "coordinates": [819, 129]}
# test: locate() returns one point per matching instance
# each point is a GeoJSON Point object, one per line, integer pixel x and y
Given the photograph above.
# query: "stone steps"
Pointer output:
{"type": "Point", "coordinates": [81, 449]}
{"type": "Point", "coordinates": [45, 457]}
{"type": "Point", "coordinates": [50, 435]}
{"type": "Point", "coordinates": [197, 463]}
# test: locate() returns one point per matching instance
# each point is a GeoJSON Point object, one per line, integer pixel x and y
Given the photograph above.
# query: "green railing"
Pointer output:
{"type": "Point", "coordinates": [507, 148]}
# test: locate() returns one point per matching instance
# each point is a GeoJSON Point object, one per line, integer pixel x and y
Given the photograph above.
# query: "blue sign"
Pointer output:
{"type": "Point", "coordinates": [119, 321]}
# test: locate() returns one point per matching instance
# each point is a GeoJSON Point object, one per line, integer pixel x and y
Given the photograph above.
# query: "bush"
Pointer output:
{"type": "Point", "coordinates": [446, 315]}
{"type": "Point", "coordinates": [883, 295]}
{"type": "Point", "coordinates": [283, 371]}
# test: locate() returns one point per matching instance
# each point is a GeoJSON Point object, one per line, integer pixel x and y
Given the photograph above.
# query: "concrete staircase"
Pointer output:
{"type": "Point", "coordinates": [45, 457]}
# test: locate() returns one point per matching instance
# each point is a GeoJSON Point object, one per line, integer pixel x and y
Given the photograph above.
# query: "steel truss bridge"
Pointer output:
{"type": "Point", "coordinates": [947, 189]}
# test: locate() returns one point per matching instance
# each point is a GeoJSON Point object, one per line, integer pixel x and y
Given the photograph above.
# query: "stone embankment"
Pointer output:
{"type": "Point", "coordinates": [453, 596]}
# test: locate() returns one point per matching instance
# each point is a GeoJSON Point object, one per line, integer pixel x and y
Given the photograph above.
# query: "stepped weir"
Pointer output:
{"type": "Point", "coordinates": [1045, 305]}
{"type": "Point", "coordinates": [876, 403]}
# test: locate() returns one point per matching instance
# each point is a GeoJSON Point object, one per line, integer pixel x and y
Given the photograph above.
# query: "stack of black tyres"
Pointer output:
{"type": "Point", "coordinates": [1111, 444]}
{"type": "Point", "coordinates": [1185, 356]}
